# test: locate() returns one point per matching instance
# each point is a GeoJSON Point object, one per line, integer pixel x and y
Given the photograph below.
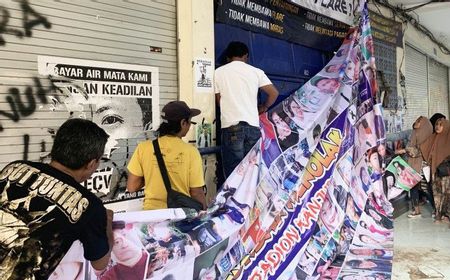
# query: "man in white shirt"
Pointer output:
{"type": "Point", "coordinates": [236, 86]}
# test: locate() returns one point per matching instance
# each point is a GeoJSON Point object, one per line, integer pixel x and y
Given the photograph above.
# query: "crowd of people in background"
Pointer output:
{"type": "Point", "coordinates": [428, 152]}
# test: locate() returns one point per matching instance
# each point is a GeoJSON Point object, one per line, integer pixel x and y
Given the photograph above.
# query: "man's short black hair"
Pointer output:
{"type": "Point", "coordinates": [77, 142]}
{"type": "Point", "coordinates": [236, 49]}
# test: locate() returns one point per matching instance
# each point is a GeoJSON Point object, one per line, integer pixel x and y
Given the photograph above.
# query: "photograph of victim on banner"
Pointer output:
{"type": "Point", "coordinates": [123, 99]}
{"type": "Point", "coordinates": [306, 202]}
{"type": "Point", "coordinates": [405, 176]}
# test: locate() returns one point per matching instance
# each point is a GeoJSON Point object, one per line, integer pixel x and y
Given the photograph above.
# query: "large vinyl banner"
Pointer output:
{"type": "Point", "coordinates": [307, 202]}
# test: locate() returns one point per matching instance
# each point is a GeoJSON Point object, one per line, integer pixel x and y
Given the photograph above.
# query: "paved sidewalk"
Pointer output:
{"type": "Point", "coordinates": [421, 248]}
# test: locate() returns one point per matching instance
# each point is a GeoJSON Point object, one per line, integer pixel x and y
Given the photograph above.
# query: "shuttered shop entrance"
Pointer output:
{"type": "Point", "coordinates": [416, 86]}
{"type": "Point", "coordinates": [438, 83]}
{"type": "Point", "coordinates": [114, 31]}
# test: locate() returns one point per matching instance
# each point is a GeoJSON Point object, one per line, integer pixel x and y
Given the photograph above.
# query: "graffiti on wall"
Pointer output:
{"type": "Point", "coordinates": [30, 19]}
{"type": "Point", "coordinates": [19, 104]}
{"type": "Point", "coordinates": [19, 108]}
{"type": "Point", "coordinates": [23, 104]}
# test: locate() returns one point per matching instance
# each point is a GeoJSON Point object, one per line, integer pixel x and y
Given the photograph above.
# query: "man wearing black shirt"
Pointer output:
{"type": "Point", "coordinates": [44, 209]}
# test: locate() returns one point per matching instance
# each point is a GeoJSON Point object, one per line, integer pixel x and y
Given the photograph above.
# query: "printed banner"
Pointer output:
{"type": "Point", "coordinates": [283, 20]}
{"type": "Point", "coordinates": [341, 10]}
{"type": "Point", "coordinates": [405, 177]}
{"type": "Point", "coordinates": [307, 202]}
{"type": "Point", "coordinates": [123, 99]}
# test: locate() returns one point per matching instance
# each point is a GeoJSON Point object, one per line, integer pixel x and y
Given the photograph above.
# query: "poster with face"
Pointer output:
{"type": "Point", "coordinates": [203, 135]}
{"type": "Point", "coordinates": [405, 176]}
{"type": "Point", "coordinates": [123, 99]}
{"type": "Point", "coordinates": [393, 190]}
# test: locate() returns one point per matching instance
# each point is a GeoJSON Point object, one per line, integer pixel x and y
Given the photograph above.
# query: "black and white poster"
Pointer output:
{"type": "Point", "coordinates": [203, 75]}
{"type": "Point", "coordinates": [123, 99]}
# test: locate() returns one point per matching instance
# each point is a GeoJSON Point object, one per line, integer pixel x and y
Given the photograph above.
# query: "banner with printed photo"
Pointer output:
{"type": "Point", "coordinates": [405, 176]}
{"type": "Point", "coordinates": [123, 99]}
{"type": "Point", "coordinates": [335, 9]}
{"type": "Point", "coordinates": [307, 201]}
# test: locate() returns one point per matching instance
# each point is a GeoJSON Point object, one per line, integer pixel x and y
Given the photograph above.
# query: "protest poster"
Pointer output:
{"type": "Point", "coordinates": [123, 99]}
{"type": "Point", "coordinates": [203, 135]}
{"type": "Point", "coordinates": [203, 75]}
{"type": "Point", "coordinates": [405, 176]}
{"type": "Point", "coordinates": [306, 202]}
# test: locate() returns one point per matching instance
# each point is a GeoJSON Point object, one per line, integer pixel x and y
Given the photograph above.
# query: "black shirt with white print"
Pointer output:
{"type": "Point", "coordinates": [42, 212]}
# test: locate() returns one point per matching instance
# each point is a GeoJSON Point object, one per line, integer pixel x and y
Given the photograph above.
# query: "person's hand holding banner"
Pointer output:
{"type": "Point", "coordinates": [405, 176]}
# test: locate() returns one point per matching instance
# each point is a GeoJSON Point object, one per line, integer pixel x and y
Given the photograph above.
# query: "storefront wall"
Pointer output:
{"type": "Point", "coordinates": [118, 31]}
{"type": "Point", "coordinates": [426, 83]}
{"type": "Point", "coordinates": [129, 35]}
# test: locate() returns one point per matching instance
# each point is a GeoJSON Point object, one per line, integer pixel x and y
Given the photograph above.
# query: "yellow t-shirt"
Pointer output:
{"type": "Point", "coordinates": [183, 163]}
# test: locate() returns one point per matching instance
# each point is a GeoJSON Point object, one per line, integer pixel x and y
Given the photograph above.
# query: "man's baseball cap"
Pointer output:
{"type": "Point", "coordinates": [178, 110]}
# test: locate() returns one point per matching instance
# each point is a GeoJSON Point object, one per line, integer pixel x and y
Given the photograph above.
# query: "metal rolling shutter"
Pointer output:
{"type": "Point", "coordinates": [416, 86]}
{"type": "Point", "coordinates": [103, 30]}
{"type": "Point", "coordinates": [438, 83]}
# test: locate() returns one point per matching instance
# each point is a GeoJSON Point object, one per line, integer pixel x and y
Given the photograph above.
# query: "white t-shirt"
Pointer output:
{"type": "Point", "coordinates": [238, 84]}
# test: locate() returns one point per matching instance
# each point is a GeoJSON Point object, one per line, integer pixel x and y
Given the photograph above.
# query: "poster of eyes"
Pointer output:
{"type": "Point", "coordinates": [307, 202]}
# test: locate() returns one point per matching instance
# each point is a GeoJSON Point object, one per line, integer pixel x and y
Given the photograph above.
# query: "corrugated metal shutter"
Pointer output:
{"type": "Point", "coordinates": [102, 30]}
{"type": "Point", "coordinates": [416, 86]}
{"type": "Point", "coordinates": [438, 83]}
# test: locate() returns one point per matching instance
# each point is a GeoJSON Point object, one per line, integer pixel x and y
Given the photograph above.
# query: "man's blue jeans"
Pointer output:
{"type": "Point", "coordinates": [237, 141]}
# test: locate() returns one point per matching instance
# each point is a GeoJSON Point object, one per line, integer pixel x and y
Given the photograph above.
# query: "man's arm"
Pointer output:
{"type": "Point", "coordinates": [103, 262]}
{"type": "Point", "coordinates": [199, 195]}
{"type": "Point", "coordinates": [272, 94]}
{"type": "Point", "coordinates": [134, 182]}
{"type": "Point", "coordinates": [218, 99]}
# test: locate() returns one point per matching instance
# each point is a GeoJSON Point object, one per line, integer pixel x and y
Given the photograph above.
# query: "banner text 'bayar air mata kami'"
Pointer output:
{"type": "Point", "coordinates": [307, 202]}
